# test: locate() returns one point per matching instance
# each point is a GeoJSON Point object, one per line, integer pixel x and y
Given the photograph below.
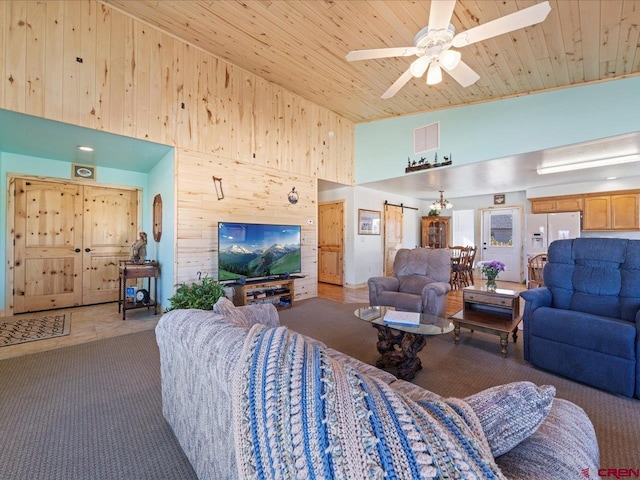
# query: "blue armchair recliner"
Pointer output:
{"type": "Point", "coordinates": [584, 324]}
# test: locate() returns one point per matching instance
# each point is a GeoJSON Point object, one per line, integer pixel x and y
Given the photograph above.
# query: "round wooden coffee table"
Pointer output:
{"type": "Point", "coordinates": [399, 345]}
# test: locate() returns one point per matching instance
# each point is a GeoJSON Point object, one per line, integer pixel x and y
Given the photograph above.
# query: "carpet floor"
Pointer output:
{"type": "Point", "coordinates": [88, 412]}
{"type": "Point", "coordinates": [473, 365]}
{"type": "Point", "coordinates": [94, 411]}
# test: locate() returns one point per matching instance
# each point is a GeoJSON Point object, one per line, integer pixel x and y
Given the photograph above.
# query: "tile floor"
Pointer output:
{"type": "Point", "coordinates": [87, 324]}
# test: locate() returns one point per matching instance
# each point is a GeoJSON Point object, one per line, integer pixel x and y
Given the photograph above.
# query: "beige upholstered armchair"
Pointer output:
{"type": "Point", "coordinates": [420, 282]}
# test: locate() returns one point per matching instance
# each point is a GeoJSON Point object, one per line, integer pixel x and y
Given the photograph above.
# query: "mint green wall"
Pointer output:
{"type": "Point", "coordinates": [502, 128]}
{"type": "Point", "coordinates": [22, 164]}
{"type": "Point", "coordinates": [161, 179]}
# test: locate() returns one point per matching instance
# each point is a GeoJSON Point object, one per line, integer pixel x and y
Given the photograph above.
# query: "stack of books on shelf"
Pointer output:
{"type": "Point", "coordinates": [407, 319]}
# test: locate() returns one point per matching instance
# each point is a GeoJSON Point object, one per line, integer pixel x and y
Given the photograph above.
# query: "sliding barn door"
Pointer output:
{"type": "Point", "coordinates": [68, 241]}
{"type": "Point", "coordinates": [393, 235]}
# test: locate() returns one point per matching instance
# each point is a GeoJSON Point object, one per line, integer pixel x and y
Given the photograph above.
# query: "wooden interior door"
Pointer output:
{"type": "Point", "coordinates": [68, 241]}
{"type": "Point", "coordinates": [109, 230]}
{"type": "Point", "coordinates": [47, 255]}
{"type": "Point", "coordinates": [393, 235]}
{"type": "Point", "coordinates": [331, 242]}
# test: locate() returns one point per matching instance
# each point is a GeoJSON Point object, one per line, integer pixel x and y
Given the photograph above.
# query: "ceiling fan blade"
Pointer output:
{"type": "Point", "coordinates": [398, 84]}
{"type": "Point", "coordinates": [463, 74]}
{"type": "Point", "coordinates": [508, 23]}
{"type": "Point", "coordinates": [440, 14]}
{"type": "Point", "coordinates": [381, 53]}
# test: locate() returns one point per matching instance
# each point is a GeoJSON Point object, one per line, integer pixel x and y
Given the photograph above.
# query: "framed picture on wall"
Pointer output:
{"type": "Point", "coordinates": [86, 172]}
{"type": "Point", "coordinates": [368, 222]}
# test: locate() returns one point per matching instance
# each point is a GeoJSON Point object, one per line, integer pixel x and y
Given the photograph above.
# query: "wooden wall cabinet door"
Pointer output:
{"type": "Point", "coordinates": [624, 212]}
{"type": "Point", "coordinates": [597, 213]}
{"type": "Point", "coordinates": [612, 212]}
{"type": "Point", "coordinates": [435, 232]}
{"type": "Point", "coordinates": [571, 204]}
{"type": "Point", "coordinates": [543, 206]}
{"type": "Point", "coordinates": [560, 204]}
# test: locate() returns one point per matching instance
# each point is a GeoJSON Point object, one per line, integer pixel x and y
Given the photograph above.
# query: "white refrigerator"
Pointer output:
{"type": "Point", "coordinates": [543, 228]}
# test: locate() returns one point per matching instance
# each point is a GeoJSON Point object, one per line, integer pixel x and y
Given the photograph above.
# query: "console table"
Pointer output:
{"type": "Point", "coordinates": [496, 312]}
{"type": "Point", "coordinates": [128, 270]}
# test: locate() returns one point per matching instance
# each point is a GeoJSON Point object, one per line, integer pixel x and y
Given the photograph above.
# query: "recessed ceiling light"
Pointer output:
{"type": "Point", "coordinates": [85, 149]}
{"type": "Point", "coordinates": [611, 178]}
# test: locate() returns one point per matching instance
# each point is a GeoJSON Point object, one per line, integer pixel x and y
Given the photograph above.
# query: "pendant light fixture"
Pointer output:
{"type": "Point", "coordinates": [441, 204]}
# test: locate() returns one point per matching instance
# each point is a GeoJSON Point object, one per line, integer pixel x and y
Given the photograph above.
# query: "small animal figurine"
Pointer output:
{"type": "Point", "coordinates": [139, 249]}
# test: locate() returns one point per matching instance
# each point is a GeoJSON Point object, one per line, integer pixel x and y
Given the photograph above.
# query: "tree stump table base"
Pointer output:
{"type": "Point", "coordinates": [399, 349]}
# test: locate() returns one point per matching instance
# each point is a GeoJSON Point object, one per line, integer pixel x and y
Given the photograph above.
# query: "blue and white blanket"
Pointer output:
{"type": "Point", "coordinates": [299, 414]}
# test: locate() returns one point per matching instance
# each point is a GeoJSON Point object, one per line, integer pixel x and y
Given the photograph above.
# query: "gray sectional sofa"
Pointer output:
{"type": "Point", "coordinates": [249, 399]}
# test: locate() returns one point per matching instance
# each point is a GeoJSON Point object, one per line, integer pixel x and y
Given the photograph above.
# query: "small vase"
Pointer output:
{"type": "Point", "coordinates": [491, 284]}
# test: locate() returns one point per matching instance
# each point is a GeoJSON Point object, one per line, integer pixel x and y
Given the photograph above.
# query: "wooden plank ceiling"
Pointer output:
{"type": "Point", "coordinates": [301, 45]}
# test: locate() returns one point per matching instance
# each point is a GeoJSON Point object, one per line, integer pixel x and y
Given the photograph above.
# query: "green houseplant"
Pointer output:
{"type": "Point", "coordinates": [197, 295]}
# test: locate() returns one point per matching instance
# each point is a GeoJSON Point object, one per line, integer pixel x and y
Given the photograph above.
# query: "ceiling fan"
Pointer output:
{"type": "Point", "coordinates": [432, 45]}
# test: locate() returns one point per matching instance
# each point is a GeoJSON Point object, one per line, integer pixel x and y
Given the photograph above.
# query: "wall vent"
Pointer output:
{"type": "Point", "coordinates": [426, 138]}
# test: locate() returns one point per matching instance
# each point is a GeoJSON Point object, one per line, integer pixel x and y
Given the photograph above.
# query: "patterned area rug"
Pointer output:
{"type": "Point", "coordinates": [24, 330]}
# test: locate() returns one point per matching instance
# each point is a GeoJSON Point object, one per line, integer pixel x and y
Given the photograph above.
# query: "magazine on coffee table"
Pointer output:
{"type": "Point", "coordinates": [409, 319]}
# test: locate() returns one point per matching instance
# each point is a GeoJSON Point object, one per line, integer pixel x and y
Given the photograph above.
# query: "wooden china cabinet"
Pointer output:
{"type": "Point", "coordinates": [435, 232]}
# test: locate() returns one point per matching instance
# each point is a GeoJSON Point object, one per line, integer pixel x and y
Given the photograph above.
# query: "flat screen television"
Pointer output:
{"type": "Point", "coordinates": [256, 250]}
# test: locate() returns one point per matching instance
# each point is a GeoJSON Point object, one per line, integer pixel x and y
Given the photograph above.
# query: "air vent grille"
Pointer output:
{"type": "Point", "coordinates": [426, 138]}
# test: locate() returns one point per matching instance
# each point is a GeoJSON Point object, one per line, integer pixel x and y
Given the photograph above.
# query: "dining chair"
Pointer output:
{"type": "Point", "coordinates": [535, 268]}
{"type": "Point", "coordinates": [468, 267]}
{"type": "Point", "coordinates": [456, 258]}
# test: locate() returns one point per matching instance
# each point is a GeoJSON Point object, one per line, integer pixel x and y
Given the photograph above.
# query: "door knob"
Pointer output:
{"type": "Point", "coordinates": [78, 250]}
{"type": "Point", "coordinates": [87, 250]}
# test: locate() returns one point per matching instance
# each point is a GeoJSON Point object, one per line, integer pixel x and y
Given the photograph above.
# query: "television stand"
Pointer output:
{"type": "Point", "coordinates": [277, 291]}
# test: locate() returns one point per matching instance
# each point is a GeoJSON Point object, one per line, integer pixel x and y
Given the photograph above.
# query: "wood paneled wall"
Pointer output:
{"type": "Point", "coordinates": [199, 211]}
{"type": "Point", "coordinates": [84, 63]}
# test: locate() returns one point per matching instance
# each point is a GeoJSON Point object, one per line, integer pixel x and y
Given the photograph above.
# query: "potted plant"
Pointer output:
{"type": "Point", "coordinates": [197, 295]}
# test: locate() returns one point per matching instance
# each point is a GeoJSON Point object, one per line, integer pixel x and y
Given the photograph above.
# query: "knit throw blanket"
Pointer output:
{"type": "Point", "coordinates": [299, 414]}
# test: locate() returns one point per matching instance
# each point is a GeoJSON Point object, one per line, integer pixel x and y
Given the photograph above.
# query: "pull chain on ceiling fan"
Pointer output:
{"type": "Point", "coordinates": [432, 45]}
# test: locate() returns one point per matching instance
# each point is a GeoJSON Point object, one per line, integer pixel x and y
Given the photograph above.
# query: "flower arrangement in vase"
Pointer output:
{"type": "Point", "coordinates": [491, 269]}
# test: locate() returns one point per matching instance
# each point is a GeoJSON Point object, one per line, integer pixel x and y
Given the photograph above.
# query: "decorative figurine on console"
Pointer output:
{"type": "Point", "coordinates": [139, 249]}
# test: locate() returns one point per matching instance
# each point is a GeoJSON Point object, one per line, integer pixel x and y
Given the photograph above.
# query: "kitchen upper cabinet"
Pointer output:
{"type": "Point", "coordinates": [624, 211]}
{"type": "Point", "coordinates": [555, 205]}
{"type": "Point", "coordinates": [597, 213]}
{"type": "Point", "coordinates": [612, 212]}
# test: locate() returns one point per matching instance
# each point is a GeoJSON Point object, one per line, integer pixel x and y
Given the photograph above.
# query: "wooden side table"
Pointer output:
{"type": "Point", "coordinates": [496, 312]}
{"type": "Point", "coordinates": [128, 270]}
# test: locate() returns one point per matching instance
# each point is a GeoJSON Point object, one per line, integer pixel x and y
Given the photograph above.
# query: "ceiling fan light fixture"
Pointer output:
{"type": "Point", "coordinates": [460, 40]}
{"type": "Point", "coordinates": [419, 66]}
{"type": "Point", "coordinates": [450, 59]}
{"type": "Point", "coordinates": [434, 41]}
{"type": "Point", "coordinates": [434, 75]}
